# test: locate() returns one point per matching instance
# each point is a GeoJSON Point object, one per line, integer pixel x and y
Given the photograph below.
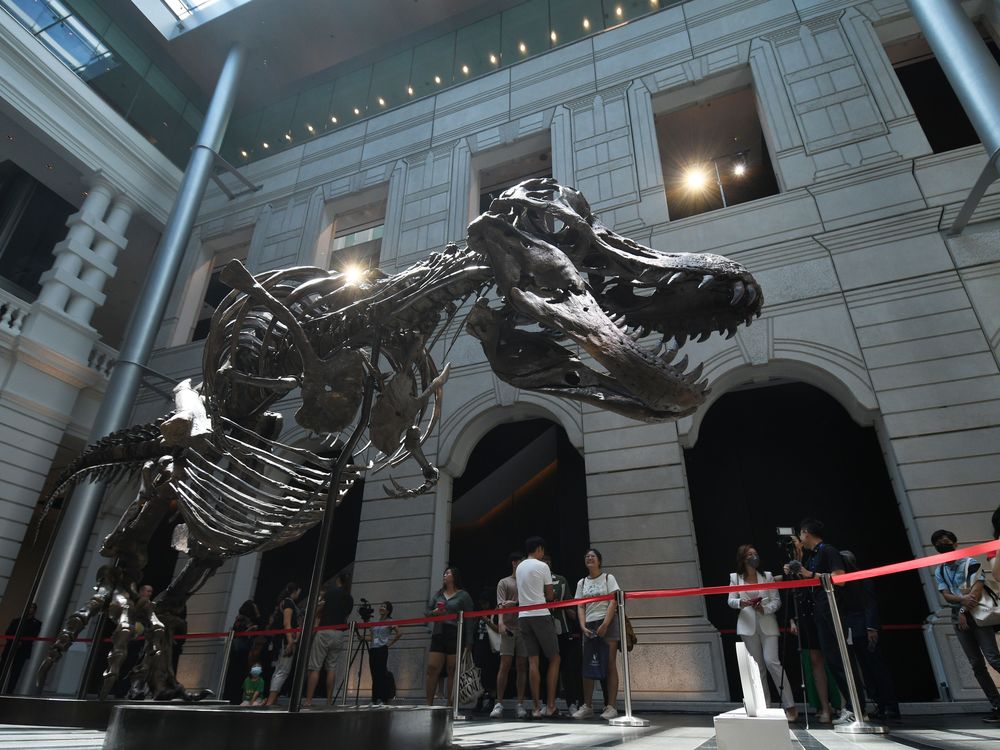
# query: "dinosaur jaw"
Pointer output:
{"type": "Point", "coordinates": [634, 383]}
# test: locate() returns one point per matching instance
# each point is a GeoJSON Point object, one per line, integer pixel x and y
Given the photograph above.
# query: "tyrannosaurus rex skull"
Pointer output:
{"type": "Point", "coordinates": [564, 274]}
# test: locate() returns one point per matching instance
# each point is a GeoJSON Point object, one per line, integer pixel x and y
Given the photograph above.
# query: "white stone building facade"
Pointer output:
{"type": "Point", "coordinates": [867, 297]}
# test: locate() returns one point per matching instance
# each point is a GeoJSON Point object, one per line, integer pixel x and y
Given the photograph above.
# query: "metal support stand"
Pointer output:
{"type": "Point", "coordinates": [455, 715]}
{"type": "Point", "coordinates": [859, 725]}
{"type": "Point", "coordinates": [987, 177]}
{"type": "Point", "coordinates": [347, 672]}
{"type": "Point", "coordinates": [628, 720]}
{"type": "Point", "coordinates": [226, 651]}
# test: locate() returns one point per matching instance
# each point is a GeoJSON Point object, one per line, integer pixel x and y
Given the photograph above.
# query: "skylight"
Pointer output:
{"type": "Point", "coordinates": [174, 17]}
{"type": "Point", "coordinates": [185, 8]}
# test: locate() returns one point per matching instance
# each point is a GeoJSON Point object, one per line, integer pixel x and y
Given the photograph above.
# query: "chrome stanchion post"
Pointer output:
{"type": "Point", "coordinates": [628, 720]}
{"type": "Point", "coordinates": [347, 672]}
{"type": "Point", "coordinates": [859, 725]}
{"type": "Point", "coordinates": [226, 650]}
{"type": "Point", "coordinates": [457, 687]}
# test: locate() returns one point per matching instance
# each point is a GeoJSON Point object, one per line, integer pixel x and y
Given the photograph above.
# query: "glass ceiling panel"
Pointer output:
{"type": "Point", "coordinates": [185, 8]}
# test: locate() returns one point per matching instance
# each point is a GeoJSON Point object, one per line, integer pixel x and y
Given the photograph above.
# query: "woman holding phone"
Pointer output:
{"type": "Point", "coordinates": [757, 625]}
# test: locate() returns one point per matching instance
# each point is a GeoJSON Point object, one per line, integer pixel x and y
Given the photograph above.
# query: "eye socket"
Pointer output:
{"type": "Point", "coordinates": [572, 377]}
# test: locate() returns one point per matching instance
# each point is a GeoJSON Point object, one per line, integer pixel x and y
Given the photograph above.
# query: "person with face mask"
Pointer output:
{"type": "Point", "coordinates": [253, 687]}
{"type": "Point", "coordinates": [960, 584]}
{"type": "Point", "coordinates": [757, 625]}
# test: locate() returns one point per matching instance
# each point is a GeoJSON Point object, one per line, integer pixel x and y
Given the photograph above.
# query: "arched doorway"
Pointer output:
{"type": "Point", "coordinates": [522, 479]}
{"type": "Point", "coordinates": [770, 456]}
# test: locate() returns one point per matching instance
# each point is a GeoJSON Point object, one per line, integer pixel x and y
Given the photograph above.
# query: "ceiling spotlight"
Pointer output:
{"type": "Point", "coordinates": [740, 169]}
{"type": "Point", "coordinates": [49, 166]}
{"type": "Point", "coordinates": [333, 119]}
{"type": "Point", "coordinates": [11, 137]}
{"type": "Point", "coordinates": [244, 153]}
{"type": "Point", "coordinates": [523, 47]}
{"type": "Point", "coordinates": [493, 59]}
{"type": "Point", "coordinates": [695, 178]}
{"type": "Point", "coordinates": [357, 111]}
{"type": "Point", "coordinates": [381, 102]}
{"type": "Point", "coordinates": [553, 36]}
{"type": "Point", "coordinates": [586, 23]}
{"type": "Point", "coordinates": [437, 80]}
{"type": "Point", "coordinates": [618, 11]}
{"type": "Point", "coordinates": [409, 90]}
{"type": "Point", "coordinates": [265, 144]}
{"type": "Point", "coordinates": [465, 69]}
{"type": "Point", "coordinates": [85, 193]}
{"type": "Point", "coordinates": [310, 128]}
{"type": "Point", "coordinates": [288, 137]}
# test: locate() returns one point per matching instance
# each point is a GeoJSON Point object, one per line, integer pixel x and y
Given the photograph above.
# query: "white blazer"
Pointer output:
{"type": "Point", "coordinates": [750, 619]}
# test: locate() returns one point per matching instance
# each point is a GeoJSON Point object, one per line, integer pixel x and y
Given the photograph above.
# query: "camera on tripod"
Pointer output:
{"type": "Point", "coordinates": [365, 610]}
{"type": "Point", "coordinates": [788, 542]}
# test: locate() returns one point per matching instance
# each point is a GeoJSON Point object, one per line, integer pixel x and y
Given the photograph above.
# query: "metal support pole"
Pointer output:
{"type": "Point", "coordinates": [82, 508]}
{"type": "Point", "coordinates": [975, 77]}
{"type": "Point", "coordinates": [628, 720]}
{"type": "Point", "coordinates": [347, 670]}
{"type": "Point", "coordinates": [456, 688]}
{"type": "Point", "coordinates": [226, 651]}
{"type": "Point", "coordinates": [859, 725]}
{"type": "Point", "coordinates": [319, 562]}
{"type": "Point", "coordinates": [718, 181]}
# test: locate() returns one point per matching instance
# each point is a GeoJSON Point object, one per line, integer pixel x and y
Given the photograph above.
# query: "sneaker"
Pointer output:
{"type": "Point", "coordinates": [497, 712]}
{"type": "Point", "coordinates": [846, 717]}
{"type": "Point", "coordinates": [993, 717]}
{"type": "Point", "coordinates": [571, 708]}
{"type": "Point", "coordinates": [547, 713]}
{"type": "Point", "coordinates": [609, 713]}
{"type": "Point", "coordinates": [520, 712]}
{"type": "Point", "coordinates": [583, 712]}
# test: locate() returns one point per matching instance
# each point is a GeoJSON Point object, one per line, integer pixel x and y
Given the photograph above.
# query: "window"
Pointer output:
{"type": "Point", "coordinates": [496, 176]}
{"type": "Point", "coordinates": [216, 291]}
{"type": "Point", "coordinates": [934, 102]}
{"type": "Point", "coordinates": [357, 237]}
{"type": "Point", "coordinates": [713, 154]}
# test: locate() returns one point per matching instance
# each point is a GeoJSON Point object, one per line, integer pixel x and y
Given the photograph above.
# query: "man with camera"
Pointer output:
{"type": "Point", "coordinates": [825, 558]}
{"type": "Point", "coordinates": [336, 606]}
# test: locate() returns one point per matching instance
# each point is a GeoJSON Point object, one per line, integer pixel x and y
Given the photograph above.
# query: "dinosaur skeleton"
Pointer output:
{"type": "Point", "coordinates": [575, 301]}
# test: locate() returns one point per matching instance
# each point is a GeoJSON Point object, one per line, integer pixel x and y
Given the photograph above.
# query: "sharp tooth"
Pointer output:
{"type": "Point", "coordinates": [757, 314]}
{"type": "Point", "coordinates": [696, 372]}
{"type": "Point", "coordinates": [635, 335]}
{"type": "Point", "coordinates": [668, 356]}
{"type": "Point", "coordinates": [751, 294]}
{"type": "Point", "coordinates": [619, 321]}
{"type": "Point", "coordinates": [671, 344]}
{"type": "Point", "coordinates": [738, 289]}
{"type": "Point", "coordinates": [675, 277]}
{"type": "Point", "coordinates": [706, 280]}
{"type": "Point", "coordinates": [731, 332]}
{"type": "Point", "coordinates": [682, 365]}
{"type": "Point", "coordinates": [704, 336]}
{"type": "Point", "coordinates": [681, 339]}
{"type": "Point", "coordinates": [748, 320]}
{"type": "Point", "coordinates": [645, 331]}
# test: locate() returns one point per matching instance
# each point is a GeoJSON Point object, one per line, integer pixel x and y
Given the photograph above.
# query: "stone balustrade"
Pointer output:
{"type": "Point", "coordinates": [13, 312]}
{"type": "Point", "coordinates": [102, 358]}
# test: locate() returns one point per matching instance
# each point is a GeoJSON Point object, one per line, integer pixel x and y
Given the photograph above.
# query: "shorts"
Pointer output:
{"type": "Point", "coordinates": [444, 643]}
{"type": "Point", "coordinates": [539, 634]}
{"type": "Point", "coordinates": [282, 669]}
{"type": "Point", "coordinates": [512, 644]}
{"type": "Point", "coordinates": [325, 650]}
{"type": "Point", "coordinates": [614, 632]}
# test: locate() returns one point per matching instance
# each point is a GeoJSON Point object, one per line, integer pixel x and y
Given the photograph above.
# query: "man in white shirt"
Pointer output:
{"type": "Point", "coordinates": [534, 586]}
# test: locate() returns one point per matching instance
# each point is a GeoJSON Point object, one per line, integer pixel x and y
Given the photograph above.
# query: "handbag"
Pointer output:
{"type": "Point", "coordinates": [630, 637]}
{"type": "Point", "coordinates": [595, 658]}
{"type": "Point", "coordinates": [986, 613]}
{"type": "Point", "coordinates": [495, 638]}
{"type": "Point", "coordinates": [470, 683]}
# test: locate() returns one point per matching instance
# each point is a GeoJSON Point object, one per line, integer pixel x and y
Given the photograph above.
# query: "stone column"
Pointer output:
{"type": "Point", "coordinates": [101, 265]}
{"type": "Point", "coordinates": [60, 281]}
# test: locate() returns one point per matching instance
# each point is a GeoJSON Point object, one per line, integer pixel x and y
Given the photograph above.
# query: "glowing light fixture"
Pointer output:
{"type": "Point", "coordinates": [586, 23]}
{"type": "Point", "coordinates": [493, 59]}
{"type": "Point", "coordinates": [357, 111]}
{"type": "Point", "coordinates": [740, 169]}
{"type": "Point", "coordinates": [523, 47]}
{"type": "Point", "coordinates": [695, 178]}
{"type": "Point", "coordinates": [381, 102]}
{"type": "Point", "coordinates": [244, 153]}
{"type": "Point", "coordinates": [288, 137]}
{"type": "Point", "coordinates": [354, 274]}
{"type": "Point", "coordinates": [465, 69]}
{"type": "Point", "coordinates": [553, 37]}
{"type": "Point", "coordinates": [437, 80]}
{"type": "Point", "coordinates": [265, 144]}
{"type": "Point", "coordinates": [618, 11]}
{"type": "Point", "coordinates": [409, 90]}
{"type": "Point", "coordinates": [333, 119]}
{"type": "Point", "coordinates": [310, 128]}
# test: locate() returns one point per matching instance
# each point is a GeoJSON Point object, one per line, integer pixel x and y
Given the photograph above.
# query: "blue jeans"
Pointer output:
{"type": "Point", "coordinates": [828, 645]}
{"type": "Point", "coordinates": [980, 646]}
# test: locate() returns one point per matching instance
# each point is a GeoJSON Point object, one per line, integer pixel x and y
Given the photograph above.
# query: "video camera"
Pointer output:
{"type": "Point", "coordinates": [787, 541]}
{"type": "Point", "coordinates": [365, 610]}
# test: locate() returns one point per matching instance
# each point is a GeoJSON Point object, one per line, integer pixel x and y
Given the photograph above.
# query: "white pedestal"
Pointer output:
{"type": "Point", "coordinates": [768, 730]}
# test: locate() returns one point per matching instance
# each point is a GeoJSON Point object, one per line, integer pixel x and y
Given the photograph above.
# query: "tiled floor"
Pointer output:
{"type": "Point", "coordinates": [673, 731]}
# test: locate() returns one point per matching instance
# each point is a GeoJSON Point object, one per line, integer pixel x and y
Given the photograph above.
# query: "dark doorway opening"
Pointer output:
{"type": "Point", "coordinates": [807, 458]}
{"type": "Point", "coordinates": [522, 479]}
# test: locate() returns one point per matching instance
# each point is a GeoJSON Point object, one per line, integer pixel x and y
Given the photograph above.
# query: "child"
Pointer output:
{"type": "Point", "coordinates": [253, 687]}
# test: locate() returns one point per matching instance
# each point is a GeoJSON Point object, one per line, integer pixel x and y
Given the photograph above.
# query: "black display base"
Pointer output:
{"type": "Point", "coordinates": [197, 727]}
{"type": "Point", "coordinates": [67, 712]}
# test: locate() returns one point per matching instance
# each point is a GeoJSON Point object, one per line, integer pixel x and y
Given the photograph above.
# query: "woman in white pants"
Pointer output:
{"type": "Point", "coordinates": [757, 625]}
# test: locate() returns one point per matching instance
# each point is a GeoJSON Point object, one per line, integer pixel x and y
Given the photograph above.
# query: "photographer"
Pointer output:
{"type": "Point", "coordinates": [337, 605]}
{"type": "Point", "coordinates": [380, 638]}
{"type": "Point", "coordinates": [825, 558]}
